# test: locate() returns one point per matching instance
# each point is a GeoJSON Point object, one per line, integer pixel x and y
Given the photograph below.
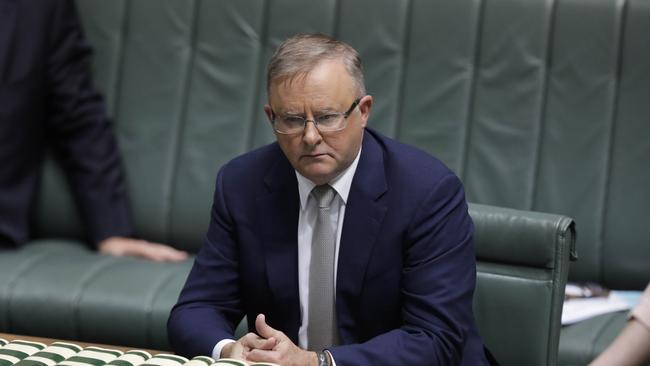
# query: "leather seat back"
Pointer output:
{"type": "Point", "coordinates": [522, 264]}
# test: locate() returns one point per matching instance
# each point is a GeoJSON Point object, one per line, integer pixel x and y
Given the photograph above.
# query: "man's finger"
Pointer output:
{"type": "Point", "coordinates": [258, 355]}
{"type": "Point", "coordinates": [267, 344]}
{"type": "Point", "coordinates": [265, 330]}
{"type": "Point", "coordinates": [154, 251]}
{"type": "Point", "coordinates": [161, 252]}
{"type": "Point", "coordinates": [253, 341]}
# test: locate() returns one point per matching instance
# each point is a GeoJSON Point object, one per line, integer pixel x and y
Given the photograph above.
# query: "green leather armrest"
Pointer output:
{"type": "Point", "coordinates": [522, 264]}
{"type": "Point", "coordinates": [520, 237]}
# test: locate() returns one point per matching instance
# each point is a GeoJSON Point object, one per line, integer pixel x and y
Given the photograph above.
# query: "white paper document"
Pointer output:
{"type": "Point", "coordinates": [576, 310]}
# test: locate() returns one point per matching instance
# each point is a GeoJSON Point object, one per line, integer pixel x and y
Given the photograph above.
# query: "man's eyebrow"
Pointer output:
{"type": "Point", "coordinates": [290, 113]}
{"type": "Point", "coordinates": [326, 110]}
{"type": "Point", "coordinates": [317, 110]}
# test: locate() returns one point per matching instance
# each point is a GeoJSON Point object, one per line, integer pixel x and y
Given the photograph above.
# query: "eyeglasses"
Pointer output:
{"type": "Point", "coordinates": [326, 122]}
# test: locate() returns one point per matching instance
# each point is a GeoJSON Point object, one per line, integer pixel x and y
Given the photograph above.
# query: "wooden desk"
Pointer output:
{"type": "Point", "coordinates": [48, 341]}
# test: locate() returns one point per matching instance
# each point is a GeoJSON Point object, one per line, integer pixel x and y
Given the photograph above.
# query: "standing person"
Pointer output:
{"type": "Point", "coordinates": [47, 100]}
{"type": "Point", "coordinates": [341, 246]}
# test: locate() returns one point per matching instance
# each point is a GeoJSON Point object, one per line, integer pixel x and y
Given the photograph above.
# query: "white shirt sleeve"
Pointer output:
{"type": "Point", "coordinates": [331, 357]}
{"type": "Point", "coordinates": [216, 351]}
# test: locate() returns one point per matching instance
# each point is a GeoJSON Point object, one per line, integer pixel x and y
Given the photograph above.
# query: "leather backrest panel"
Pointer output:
{"type": "Point", "coordinates": [537, 105]}
{"type": "Point", "coordinates": [625, 252]}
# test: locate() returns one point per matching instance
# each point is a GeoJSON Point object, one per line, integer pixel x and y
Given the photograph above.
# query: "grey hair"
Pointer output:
{"type": "Point", "coordinates": [300, 54]}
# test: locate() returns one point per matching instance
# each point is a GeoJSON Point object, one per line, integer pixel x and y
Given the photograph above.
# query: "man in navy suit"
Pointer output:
{"type": "Point", "coordinates": [404, 267]}
{"type": "Point", "coordinates": [47, 100]}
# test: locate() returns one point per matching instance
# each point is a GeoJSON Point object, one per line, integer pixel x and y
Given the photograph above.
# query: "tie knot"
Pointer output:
{"type": "Point", "coordinates": [324, 195]}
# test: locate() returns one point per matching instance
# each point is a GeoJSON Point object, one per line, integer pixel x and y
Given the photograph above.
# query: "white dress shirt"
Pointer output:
{"type": "Point", "coordinates": [306, 223]}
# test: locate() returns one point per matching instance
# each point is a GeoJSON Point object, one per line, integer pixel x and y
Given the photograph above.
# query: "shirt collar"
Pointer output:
{"type": "Point", "coordinates": [341, 183]}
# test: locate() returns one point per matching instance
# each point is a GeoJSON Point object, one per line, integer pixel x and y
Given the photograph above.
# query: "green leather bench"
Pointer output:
{"type": "Point", "coordinates": [538, 106]}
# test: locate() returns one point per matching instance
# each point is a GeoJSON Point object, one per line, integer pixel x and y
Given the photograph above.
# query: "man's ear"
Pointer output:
{"type": "Point", "coordinates": [269, 112]}
{"type": "Point", "coordinates": [365, 105]}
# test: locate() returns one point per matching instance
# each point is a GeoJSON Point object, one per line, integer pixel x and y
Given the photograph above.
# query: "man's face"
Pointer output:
{"type": "Point", "coordinates": [320, 156]}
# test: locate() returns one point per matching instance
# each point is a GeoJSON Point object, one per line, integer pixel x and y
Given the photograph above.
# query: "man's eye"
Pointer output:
{"type": "Point", "coordinates": [293, 120]}
{"type": "Point", "coordinates": [327, 118]}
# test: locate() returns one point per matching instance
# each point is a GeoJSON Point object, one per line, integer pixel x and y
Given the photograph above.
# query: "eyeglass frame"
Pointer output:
{"type": "Point", "coordinates": [345, 115]}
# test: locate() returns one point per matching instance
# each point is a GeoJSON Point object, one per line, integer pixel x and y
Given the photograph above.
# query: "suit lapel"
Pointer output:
{"type": "Point", "coordinates": [7, 24]}
{"type": "Point", "coordinates": [364, 214]}
{"type": "Point", "coordinates": [278, 210]}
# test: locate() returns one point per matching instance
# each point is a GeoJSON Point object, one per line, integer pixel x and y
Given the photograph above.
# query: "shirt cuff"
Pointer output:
{"type": "Point", "coordinates": [331, 357]}
{"type": "Point", "coordinates": [216, 351]}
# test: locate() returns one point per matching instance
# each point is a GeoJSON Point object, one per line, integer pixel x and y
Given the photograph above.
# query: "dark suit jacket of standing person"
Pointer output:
{"type": "Point", "coordinates": [47, 99]}
{"type": "Point", "coordinates": [406, 267]}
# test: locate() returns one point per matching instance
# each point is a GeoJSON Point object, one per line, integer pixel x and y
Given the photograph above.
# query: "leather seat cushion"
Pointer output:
{"type": "Point", "coordinates": [62, 289]}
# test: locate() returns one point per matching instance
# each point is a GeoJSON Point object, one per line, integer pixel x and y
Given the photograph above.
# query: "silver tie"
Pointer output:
{"type": "Point", "coordinates": [321, 330]}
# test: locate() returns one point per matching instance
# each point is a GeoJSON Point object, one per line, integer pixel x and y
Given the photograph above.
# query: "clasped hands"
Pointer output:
{"type": "Point", "coordinates": [268, 345]}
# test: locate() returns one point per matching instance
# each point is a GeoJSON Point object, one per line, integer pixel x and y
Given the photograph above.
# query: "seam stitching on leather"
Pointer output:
{"type": "Point", "coordinates": [29, 264]}
{"type": "Point", "coordinates": [403, 69]}
{"type": "Point", "coordinates": [181, 125]}
{"type": "Point", "coordinates": [87, 278]}
{"type": "Point", "coordinates": [543, 104]}
{"type": "Point", "coordinates": [475, 66]}
{"type": "Point", "coordinates": [121, 56]}
{"type": "Point", "coordinates": [148, 310]}
{"type": "Point", "coordinates": [336, 27]}
{"type": "Point", "coordinates": [621, 7]}
{"type": "Point", "coordinates": [249, 135]}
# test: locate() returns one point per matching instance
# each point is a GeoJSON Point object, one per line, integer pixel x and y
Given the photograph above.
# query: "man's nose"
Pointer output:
{"type": "Point", "coordinates": [310, 135]}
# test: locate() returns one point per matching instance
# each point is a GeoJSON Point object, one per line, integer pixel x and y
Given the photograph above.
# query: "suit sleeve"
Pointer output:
{"type": "Point", "coordinates": [209, 306]}
{"type": "Point", "coordinates": [79, 131]}
{"type": "Point", "coordinates": [438, 279]}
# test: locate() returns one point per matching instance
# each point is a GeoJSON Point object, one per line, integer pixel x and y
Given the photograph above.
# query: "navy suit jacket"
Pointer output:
{"type": "Point", "coordinates": [406, 268]}
{"type": "Point", "coordinates": [47, 100]}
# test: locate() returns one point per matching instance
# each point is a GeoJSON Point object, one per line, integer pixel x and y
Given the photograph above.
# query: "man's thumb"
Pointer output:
{"type": "Point", "coordinates": [263, 329]}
